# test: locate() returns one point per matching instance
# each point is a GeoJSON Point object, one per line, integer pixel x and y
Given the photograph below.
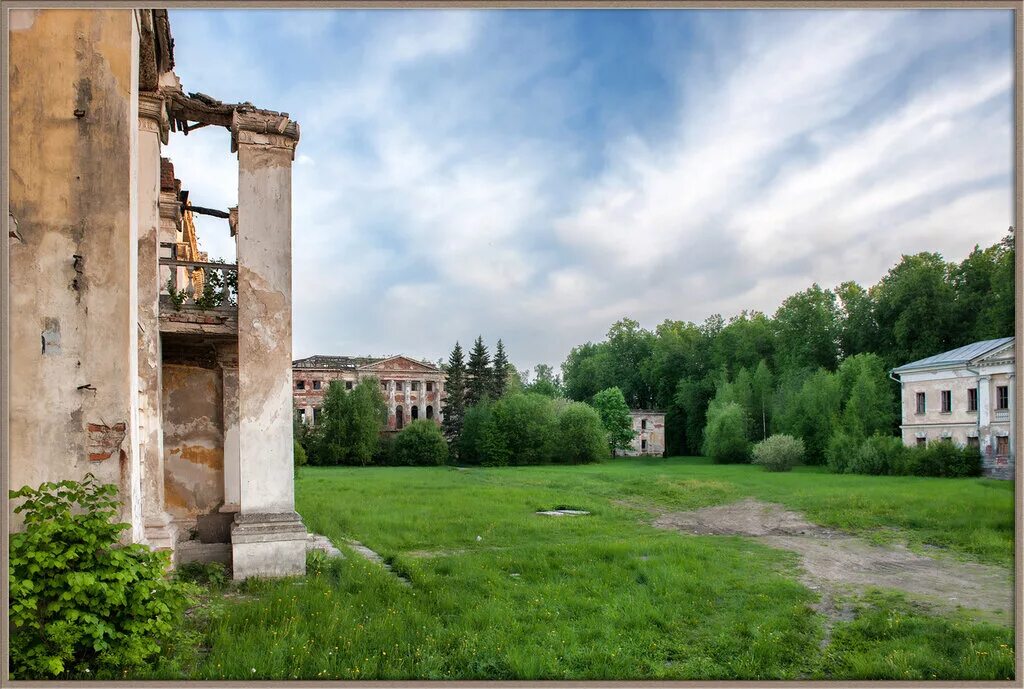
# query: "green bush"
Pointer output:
{"type": "Point", "coordinates": [778, 452]}
{"type": "Point", "coordinates": [421, 443]}
{"type": "Point", "coordinates": [474, 422]}
{"type": "Point", "coordinates": [840, 452]}
{"type": "Point", "coordinates": [581, 437]}
{"type": "Point", "coordinates": [527, 424]}
{"type": "Point", "coordinates": [942, 458]}
{"type": "Point", "coordinates": [879, 455]}
{"type": "Point", "coordinates": [725, 436]}
{"type": "Point", "coordinates": [615, 417]}
{"type": "Point", "coordinates": [384, 454]}
{"type": "Point", "coordinates": [81, 604]}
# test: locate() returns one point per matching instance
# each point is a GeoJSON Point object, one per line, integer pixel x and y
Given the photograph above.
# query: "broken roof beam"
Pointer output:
{"type": "Point", "coordinates": [200, 108]}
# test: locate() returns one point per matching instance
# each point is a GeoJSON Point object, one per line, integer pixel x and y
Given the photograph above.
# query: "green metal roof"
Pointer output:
{"type": "Point", "coordinates": [958, 356]}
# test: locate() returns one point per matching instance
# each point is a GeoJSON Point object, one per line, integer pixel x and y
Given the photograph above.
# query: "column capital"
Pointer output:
{"type": "Point", "coordinates": [265, 128]}
{"type": "Point", "coordinates": [153, 114]}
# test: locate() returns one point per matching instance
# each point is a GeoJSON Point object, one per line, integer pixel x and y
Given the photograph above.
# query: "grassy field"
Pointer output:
{"type": "Point", "coordinates": [498, 592]}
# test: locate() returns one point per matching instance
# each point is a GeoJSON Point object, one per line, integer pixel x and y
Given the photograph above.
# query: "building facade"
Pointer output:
{"type": "Point", "coordinates": [965, 395]}
{"type": "Point", "coordinates": [413, 389]}
{"type": "Point", "coordinates": [649, 434]}
{"type": "Point", "coordinates": [137, 359]}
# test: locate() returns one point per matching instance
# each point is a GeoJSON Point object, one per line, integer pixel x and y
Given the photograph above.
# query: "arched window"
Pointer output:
{"type": "Point", "coordinates": [415, 412]}
{"type": "Point", "coordinates": [399, 421]}
{"type": "Point", "coordinates": [430, 411]}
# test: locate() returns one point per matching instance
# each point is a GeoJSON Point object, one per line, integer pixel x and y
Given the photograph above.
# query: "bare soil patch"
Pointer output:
{"type": "Point", "coordinates": [834, 560]}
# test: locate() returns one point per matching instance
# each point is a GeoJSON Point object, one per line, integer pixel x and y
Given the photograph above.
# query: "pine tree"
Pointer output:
{"type": "Point", "coordinates": [499, 381]}
{"type": "Point", "coordinates": [478, 373]}
{"type": "Point", "coordinates": [455, 395]}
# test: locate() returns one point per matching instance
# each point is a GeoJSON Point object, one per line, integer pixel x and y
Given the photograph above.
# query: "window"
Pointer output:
{"type": "Point", "coordinates": [920, 403]}
{"type": "Point", "coordinates": [947, 401]}
{"type": "Point", "coordinates": [921, 442]}
{"type": "Point", "coordinates": [430, 410]}
{"type": "Point", "coordinates": [430, 386]}
{"type": "Point", "coordinates": [415, 385]}
{"type": "Point", "coordinates": [643, 424]}
{"type": "Point", "coordinates": [316, 415]}
{"type": "Point", "coordinates": [348, 384]}
{"type": "Point", "coordinates": [300, 385]}
{"type": "Point", "coordinates": [384, 385]}
{"type": "Point", "coordinates": [399, 420]}
{"type": "Point", "coordinates": [643, 445]}
{"type": "Point", "coordinates": [1002, 397]}
{"type": "Point", "coordinates": [316, 384]}
{"type": "Point", "coordinates": [973, 442]}
{"type": "Point", "coordinates": [972, 399]}
{"type": "Point", "coordinates": [399, 385]}
{"type": "Point", "coordinates": [301, 414]}
{"type": "Point", "coordinates": [415, 412]}
{"type": "Point", "coordinates": [1002, 446]}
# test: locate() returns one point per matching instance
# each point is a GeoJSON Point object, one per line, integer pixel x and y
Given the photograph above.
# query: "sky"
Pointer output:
{"type": "Point", "coordinates": [537, 175]}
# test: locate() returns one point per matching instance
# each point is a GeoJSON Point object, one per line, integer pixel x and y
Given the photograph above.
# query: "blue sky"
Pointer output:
{"type": "Point", "coordinates": [537, 175]}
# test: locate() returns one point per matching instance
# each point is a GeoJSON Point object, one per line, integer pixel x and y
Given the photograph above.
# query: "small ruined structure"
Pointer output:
{"type": "Point", "coordinates": [965, 395]}
{"type": "Point", "coordinates": [135, 358]}
{"type": "Point", "coordinates": [649, 434]}
{"type": "Point", "coordinates": [413, 389]}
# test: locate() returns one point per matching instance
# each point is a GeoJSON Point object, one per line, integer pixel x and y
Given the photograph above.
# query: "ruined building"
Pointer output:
{"type": "Point", "coordinates": [413, 388]}
{"type": "Point", "coordinates": [648, 434]}
{"type": "Point", "coordinates": [134, 357]}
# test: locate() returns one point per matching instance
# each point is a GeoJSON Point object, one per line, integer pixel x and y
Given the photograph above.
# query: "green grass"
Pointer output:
{"type": "Point", "coordinates": [501, 593]}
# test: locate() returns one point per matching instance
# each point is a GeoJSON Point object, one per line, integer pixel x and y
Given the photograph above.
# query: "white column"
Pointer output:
{"type": "Point", "coordinates": [268, 538]}
{"type": "Point", "coordinates": [153, 125]}
{"type": "Point", "coordinates": [985, 417]}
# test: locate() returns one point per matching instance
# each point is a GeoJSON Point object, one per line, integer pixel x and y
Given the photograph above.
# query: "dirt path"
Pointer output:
{"type": "Point", "coordinates": [833, 560]}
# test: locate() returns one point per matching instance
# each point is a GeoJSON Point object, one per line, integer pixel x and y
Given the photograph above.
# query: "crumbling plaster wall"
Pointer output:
{"type": "Point", "coordinates": [73, 287]}
{"type": "Point", "coordinates": [193, 411]}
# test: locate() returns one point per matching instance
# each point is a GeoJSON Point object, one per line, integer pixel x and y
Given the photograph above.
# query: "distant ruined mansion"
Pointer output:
{"type": "Point", "coordinates": [649, 434]}
{"type": "Point", "coordinates": [413, 389]}
{"type": "Point", "coordinates": [137, 359]}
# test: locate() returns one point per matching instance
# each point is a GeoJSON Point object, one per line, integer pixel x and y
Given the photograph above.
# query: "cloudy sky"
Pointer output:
{"type": "Point", "coordinates": [537, 175]}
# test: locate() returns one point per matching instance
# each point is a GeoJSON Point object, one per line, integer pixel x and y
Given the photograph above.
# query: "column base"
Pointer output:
{"type": "Point", "coordinates": [268, 544]}
{"type": "Point", "coordinates": [160, 534]}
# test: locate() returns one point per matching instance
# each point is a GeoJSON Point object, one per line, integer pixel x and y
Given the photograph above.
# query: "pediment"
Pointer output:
{"type": "Point", "coordinates": [400, 363]}
{"type": "Point", "coordinates": [1000, 355]}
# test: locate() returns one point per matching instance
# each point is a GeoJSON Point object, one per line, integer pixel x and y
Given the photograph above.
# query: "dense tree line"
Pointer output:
{"type": "Point", "coordinates": [817, 365]}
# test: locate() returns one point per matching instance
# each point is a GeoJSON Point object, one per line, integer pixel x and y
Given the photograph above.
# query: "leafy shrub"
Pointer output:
{"type": "Point", "coordinates": [420, 443]}
{"type": "Point", "coordinates": [384, 454]}
{"type": "Point", "coordinates": [725, 436]}
{"type": "Point", "coordinates": [942, 458]}
{"type": "Point", "coordinates": [879, 455]}
{"type": "Point", "coordinates": [840, 452]}
{"type": "Point", "coordinates": [528, 426]}
{"type": "Point", "coordinates": [581, 437]}
{"type": "Point", "coordinates": [81, 605]}
{"type": "Point", "coordinates": [212, 575]}
{"type": "Point", "coordinates": [474, 422]}
{"type": "Point", "coordinates": [779, 452]}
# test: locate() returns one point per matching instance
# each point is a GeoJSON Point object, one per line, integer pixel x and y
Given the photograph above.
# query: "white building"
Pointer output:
{"type": "Point", "coordinates": [965, 395]}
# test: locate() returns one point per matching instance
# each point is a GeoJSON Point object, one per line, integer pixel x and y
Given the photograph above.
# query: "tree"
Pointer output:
{"type": "Point", "coordinates": [478, 373]}
{"type": "Point", "coordinates": [455, 395]}
{"type": "Point", "coordinates": [545, 382]}
{"type": "Point", "coordinates": [584, 372]}
{"type": "Point", "coordinates": [809, 408]}
{"type": "Point", "coordinates": [858, 330]}
{"type": "Point", "coordinates": [869, 399]}
{"type": "Point", "coordinates": [499, 380]}
{"type": "Point", "coordinates": [915, 309]}
{"type": "Point", "coordinates": [762, 388]}
{"type": "Point", "coordinates": [628, 348]}
{"type": "Point", "coordinates": [367, 415]}
{"type": "Point", "coordinates": [983, 283]}
{"type": "Point", "coordinates": [807, 330]}
{"type": "Point", "coordinates": [332, 429]}
{"type": "Point", "coordinates": [527, 427]}
{"type": "Point", "coordinates": [615, 417]}
{"type": "Point", "coordinates": [725, 438]}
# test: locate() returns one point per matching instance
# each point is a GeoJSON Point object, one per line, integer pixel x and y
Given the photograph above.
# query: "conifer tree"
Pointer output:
{"type": "Point", "coordinates": [499, 380]}
{"type": "Point", "coordinates": [455, 394]}
{"type": "Point", "coordinates": [478, 373]}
